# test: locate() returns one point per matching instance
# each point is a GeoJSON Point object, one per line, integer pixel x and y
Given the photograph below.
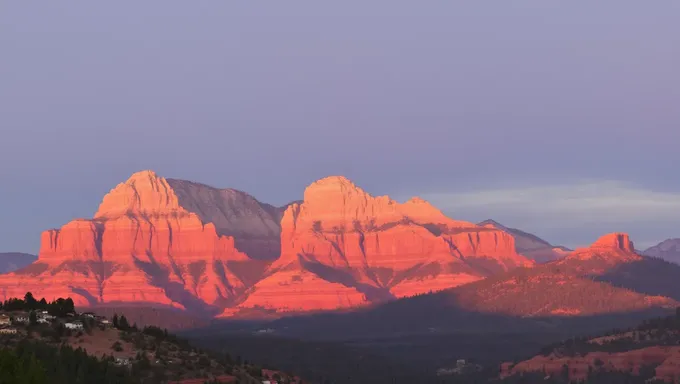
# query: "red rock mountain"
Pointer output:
{"type": "Point", "coordinates": [578, 284]}
{"type": "Point", "coordinates": [607, 278]}
{"type": "Point", "coordinates": [650, 346]}
{"type": "Point", "coordinates": [664, 359]}
{"type": "Point", "coordinates": [156, 240]}
{"type": "Point", "coordinates": [188, 245]}
{"type": "Point", "coordinates": [341, 247]}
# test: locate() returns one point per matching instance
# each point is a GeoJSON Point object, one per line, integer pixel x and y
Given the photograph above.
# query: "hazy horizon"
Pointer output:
{"type": "Point", "coordinates": [555, 118]}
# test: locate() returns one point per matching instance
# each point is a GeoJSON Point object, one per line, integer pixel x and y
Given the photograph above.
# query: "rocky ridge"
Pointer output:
{"type": "Point", "coordinates": [667, 250]}
{"type": "Point", "coordinates": [187, 245]}
{"type": "Point", "coordinates": [530, 245]}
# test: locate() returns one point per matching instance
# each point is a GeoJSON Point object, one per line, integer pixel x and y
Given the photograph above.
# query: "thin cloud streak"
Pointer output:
{"type": "Point", "coordinates": [570, 211]}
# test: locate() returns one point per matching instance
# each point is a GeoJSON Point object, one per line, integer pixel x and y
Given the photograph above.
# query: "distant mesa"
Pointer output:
{"type": "Point", "coordinates": [609, 249]}
{"type": "Point", "coordinates": [618, 241]}
{"type": "Point", "coordinates": [588, 281]}
{"type": "Point", "coordinates": [585, 282]}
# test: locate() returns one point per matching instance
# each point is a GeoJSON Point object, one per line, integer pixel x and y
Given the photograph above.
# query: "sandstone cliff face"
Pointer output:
{"type": "Point", "coordinates": [253, 225]}
{"type": "Point", "coordinates": [374, 249]}
{"type": "Point", "coordinates": [667, 360]}
{"type": "Point", "coordinates": [155, 240]}
{"type": "Point", "coordinates": [607, 252]}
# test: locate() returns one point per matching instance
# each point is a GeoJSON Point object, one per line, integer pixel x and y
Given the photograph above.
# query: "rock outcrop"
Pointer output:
{"type": "Point", "coordinates": [155, 240]}
{"type": "Point", "coordinates": [346, 247]}
{"type": "Point", "coordinates": [666, 359]}
{"type": "Point", "coordinates": [608, 251]}
{"type": "Point", "coordinates": [649, 350]}
{"type": "Point", "coordinates": [588, 281]}
{"type": "Point", "coordinates": [531, 246]}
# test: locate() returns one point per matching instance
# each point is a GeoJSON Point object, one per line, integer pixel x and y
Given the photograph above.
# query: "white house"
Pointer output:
{"type": "Point", "coordinates": [74, 325]}
{"type": "Point", "coordinates": [122, 361]}
{"type": "Point", "coordinates": [21, 319]}
{"type": "Point", "coordinates": [5, 320]}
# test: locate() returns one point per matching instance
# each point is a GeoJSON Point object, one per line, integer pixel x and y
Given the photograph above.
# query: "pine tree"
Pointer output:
{"type": "Point", "coordinates": [33, 318]}
{"type": "Point", "coordinates": [69, 306]}
{"type": "Point", "coordinates": [30, 300]}
{"type": "Point", "coordinates": [123, 323]}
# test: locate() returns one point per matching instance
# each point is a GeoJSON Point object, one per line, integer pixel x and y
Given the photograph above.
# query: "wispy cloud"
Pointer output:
{"type": "Point", "coordinates": [570, 209]}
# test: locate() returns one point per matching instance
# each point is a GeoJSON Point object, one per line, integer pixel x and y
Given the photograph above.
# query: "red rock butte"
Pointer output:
{"type": "Point", "coordinates": [188, 245]}
{"type": "Point", "coordinates": [609, 249]}
{"type": "Point", "coordinates": [588, 281]}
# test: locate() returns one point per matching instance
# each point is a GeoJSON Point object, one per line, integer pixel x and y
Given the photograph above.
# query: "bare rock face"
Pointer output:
{"type": "Point", "coordinates": [254, 225]}
{"type": "Point", "coordinates": [349, 248]}
{"type": "Point", "coordinates": [665, 358]}
{"type": "Point", "coordinates": [618, 241]}
{"type": "Point", "coordinates": [606, 277]}
{"type": "Point", "coordinates": [609, 250]}
{"type": "Point", "coordinates": [187, 245]}
{"type": "Point", "coordinates": [155, 240]}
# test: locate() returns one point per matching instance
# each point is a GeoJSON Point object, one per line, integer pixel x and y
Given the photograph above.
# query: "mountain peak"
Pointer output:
{"type": "Point", "coordinates": [612, 248]}
{"type": "Point", "coordinates": [668, 249]}
{"type": "Point", "coordinates": [332, 184]}
{"type": "Point", "coordinates": [144, 191]}
{"type": "Point", "coordinates": [490, 223]}
{"type": "Point", "coordinates": [619, 241]}
{"type": "Point", "coordinates": [335, 190]}
{"type": "Point", "coordinates": [144, 175]}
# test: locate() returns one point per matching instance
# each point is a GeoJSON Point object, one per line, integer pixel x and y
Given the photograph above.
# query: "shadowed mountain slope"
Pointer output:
{"type": "Point", "coordinates": [11, 261]}
{"type": "Point", "coordinates": [667, 250]}
{"type": "Point", "coordinates": [530, 245]}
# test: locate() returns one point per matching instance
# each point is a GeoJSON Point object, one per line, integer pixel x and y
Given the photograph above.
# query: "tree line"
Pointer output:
{"type": "Point", "coordinates": [60, 307]}
{"type": "Point", "coordinates": [33, 362]}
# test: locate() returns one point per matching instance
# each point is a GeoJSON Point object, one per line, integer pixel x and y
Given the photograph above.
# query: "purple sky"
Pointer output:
{"type": "Point", "coordinates": [558, 118]}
